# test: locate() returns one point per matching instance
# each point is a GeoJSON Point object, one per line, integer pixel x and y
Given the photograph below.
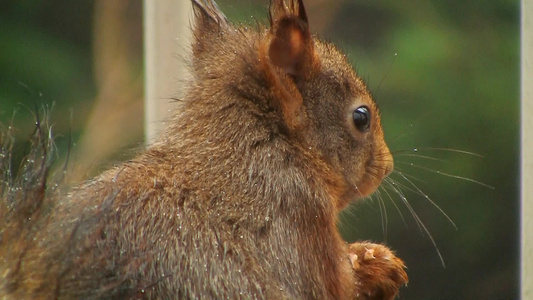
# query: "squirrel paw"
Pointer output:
{"type": "Point", "coordinates": [379, 274]}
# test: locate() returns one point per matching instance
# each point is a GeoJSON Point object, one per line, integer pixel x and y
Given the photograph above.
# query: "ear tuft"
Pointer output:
{"type": "Point", "coordinates": [208, 13]}
{"type": "Point", "coordinates": [279, 10]}
{"type": "Point", "coordinates": [291, 45]}
{"type": "Point", "coordinates": [209, 19]}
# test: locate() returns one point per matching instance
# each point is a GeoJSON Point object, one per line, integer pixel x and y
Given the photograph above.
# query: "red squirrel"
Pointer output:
{"type": "Point", "coordinates": [239, 196]}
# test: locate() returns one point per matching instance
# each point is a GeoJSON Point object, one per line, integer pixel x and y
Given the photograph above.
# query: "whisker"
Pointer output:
{"type": "Point", "coordinates": [432, 240]}
{"type": "Point", "coordinates": [394, 186]}
{"type": "Point", "coordinates": [438, 149]}
{"type": "Point", "coordinates": [403, 186]}
{"type": "Point", "coordinates": [422, 227]}
{"type": "Point", "coordinates": [388, 71]}
{"type": "Point", "coordinates": [421, 156]}
{"type": "Point", "coordinates": [448, 175]}
{"type": "Point", "coordinates": [410, 176]}
{"type": "Point", "coordinates": [383, 213]}
{"type": "Point", "coordinates": [428, 198]}
{"type": "Point", "coordinates": [452, 150]}
{"type": "Point", "coordinates": [394, 202]}
{"type": "Point", "coordinates": [409, 184]}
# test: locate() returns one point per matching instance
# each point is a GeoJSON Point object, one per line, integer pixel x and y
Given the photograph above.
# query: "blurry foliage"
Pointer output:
{"type": "Point", "coordinates": [445, 74]}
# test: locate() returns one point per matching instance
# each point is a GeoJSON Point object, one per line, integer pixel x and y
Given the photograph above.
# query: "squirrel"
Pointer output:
{"type": "Point", "coordinates": [239, 196]}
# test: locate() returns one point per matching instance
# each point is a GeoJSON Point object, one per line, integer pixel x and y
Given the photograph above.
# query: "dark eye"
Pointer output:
{"type": "Point", "coordinates": [361, 118]}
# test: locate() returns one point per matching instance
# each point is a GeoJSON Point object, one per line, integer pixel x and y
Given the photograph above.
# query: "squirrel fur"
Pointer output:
{"type": "Point", "coordinates": [239, 196]}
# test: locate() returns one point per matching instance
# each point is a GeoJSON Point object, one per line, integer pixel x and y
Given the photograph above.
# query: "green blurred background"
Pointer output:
{"type": "Point", "coordinates": [444, 73]}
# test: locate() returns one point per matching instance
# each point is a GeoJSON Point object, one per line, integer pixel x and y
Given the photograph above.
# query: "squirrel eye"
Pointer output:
{"type": "Point", "coordinates": [361, 118]}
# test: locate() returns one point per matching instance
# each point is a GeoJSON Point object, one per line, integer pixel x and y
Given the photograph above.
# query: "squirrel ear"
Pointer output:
{"type": "Point", "coordinates": [291, 45]}
{"type": "Point", "coordinates": [208, 20]}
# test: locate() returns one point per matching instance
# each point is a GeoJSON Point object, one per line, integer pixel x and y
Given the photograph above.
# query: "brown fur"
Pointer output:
{"type": "Point", "coordinates": [240, 195]}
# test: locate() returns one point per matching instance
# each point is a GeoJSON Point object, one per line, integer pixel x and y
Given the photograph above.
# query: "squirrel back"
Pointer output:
{"type": "Point", "coordinates": [239, 196]}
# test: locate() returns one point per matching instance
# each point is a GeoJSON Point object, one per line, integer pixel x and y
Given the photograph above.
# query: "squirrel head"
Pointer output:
{"type": "Point", "coordinates": [321, 106]}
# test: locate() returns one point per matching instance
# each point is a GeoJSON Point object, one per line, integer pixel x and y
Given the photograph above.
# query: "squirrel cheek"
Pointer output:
{"type": "Point", "coordinates": [374, 174]}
